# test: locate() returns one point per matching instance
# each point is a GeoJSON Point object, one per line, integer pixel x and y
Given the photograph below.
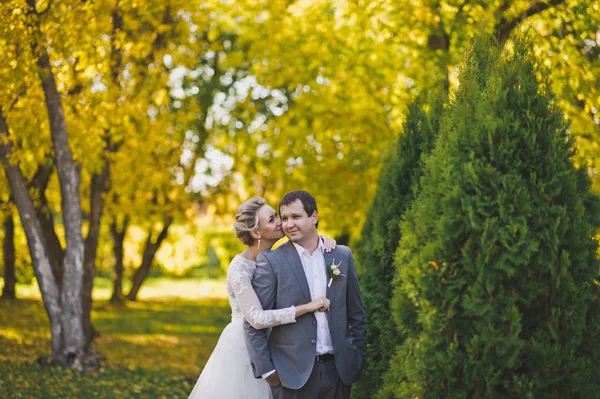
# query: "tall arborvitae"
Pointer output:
{"type": "Point", "coordinates": [381, 233]}
{"type": "Point", "coordinates": [497, 262]}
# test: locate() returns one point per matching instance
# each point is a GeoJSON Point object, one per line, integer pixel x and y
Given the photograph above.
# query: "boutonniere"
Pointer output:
{"type": "Point", "coordinates": [334, 272]}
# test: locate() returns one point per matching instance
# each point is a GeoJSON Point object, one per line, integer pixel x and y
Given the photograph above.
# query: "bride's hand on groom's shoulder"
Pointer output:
{"type": "Point", "coordinates": [328, 243]}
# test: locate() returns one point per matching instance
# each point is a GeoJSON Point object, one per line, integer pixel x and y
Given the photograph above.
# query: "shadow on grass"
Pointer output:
{"type": "Point", "coordinates": [153, 349]}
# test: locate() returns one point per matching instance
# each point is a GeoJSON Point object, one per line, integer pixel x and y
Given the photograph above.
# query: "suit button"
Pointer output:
{"type": "Point", "coordinates": [314, 323]}
{"type": "Point", "coordinates": [313, 341]}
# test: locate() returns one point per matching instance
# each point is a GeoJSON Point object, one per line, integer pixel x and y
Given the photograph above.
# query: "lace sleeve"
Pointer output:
{"type": "Point", "coordinates": [240, 278]}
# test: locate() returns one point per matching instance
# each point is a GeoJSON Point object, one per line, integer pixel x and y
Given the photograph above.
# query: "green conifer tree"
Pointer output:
{"type": "Point", "coordinates": [497, 262]}
{"type": "Point", "coordinates": [381, 234]}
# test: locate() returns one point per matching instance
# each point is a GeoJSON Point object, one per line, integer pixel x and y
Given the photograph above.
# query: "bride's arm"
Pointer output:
{"type": "Point", "coordinates": [252, 309]}
{"type": "Point", "coordinates": [320, 304]}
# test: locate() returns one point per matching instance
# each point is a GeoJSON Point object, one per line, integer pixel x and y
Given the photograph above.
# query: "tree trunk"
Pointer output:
{"type": "Point", "coordinates": [63, 306]}
{"type": "Point", "coordinates": [68, 173]}
{"type": "Point", "coordinates": [36, 243]}
{"type": "Point", "coordinates": [10, 279]}
{"type": "Point", "coordinates": [118, 236]}
{"type": "Point", "coordinates": [100, 185]}
{"type": "Point", "coordinates": [69, 178]}
{"type": "Point", "coordinates": [150, 250]}
{"type": "Point", "coordinates": [98, 189]}
{"type": "Point", "coordinates": [56, 252]}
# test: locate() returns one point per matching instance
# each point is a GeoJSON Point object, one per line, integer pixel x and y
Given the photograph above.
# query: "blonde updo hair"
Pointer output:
{"type": "Point", "coordinates": [246, 219]}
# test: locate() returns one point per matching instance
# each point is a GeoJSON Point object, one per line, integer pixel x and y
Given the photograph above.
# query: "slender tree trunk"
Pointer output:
{"type": "Point", "coordinates": [439, 42]}
{"type": "Point", "coordinates": [150, 250]}
{"type": "Point", "coordinates": [118, 236]}
{"type": "Point", "coordinates": [100, 185]}
{"type": "Point", "coordinates": [56, 252]}
{"type": "Point", "coordinates": [10, 278]}
{"type": "Point", "coordinates": [36, 243]}
{"type": "Point", "coordinates": [98, 189]}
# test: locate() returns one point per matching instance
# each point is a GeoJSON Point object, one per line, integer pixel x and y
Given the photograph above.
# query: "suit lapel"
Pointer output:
{"type": "Point", "coordinates": [291, 255]}
{"type": "Point", "coordinates": [328, 260]}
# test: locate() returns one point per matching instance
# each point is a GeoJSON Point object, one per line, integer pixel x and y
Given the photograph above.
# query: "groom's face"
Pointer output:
{"type": "Point", "coordinates": [296, 223]}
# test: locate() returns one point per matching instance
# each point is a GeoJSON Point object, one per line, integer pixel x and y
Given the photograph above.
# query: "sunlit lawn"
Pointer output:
{"type": "Point", "coordinates": [154, 348]}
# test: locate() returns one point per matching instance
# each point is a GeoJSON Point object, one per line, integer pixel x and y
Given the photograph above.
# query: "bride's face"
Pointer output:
{"type": "Point", "coordinates": [269, 225]}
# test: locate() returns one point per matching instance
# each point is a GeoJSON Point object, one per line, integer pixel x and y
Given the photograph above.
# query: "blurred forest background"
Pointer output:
{"type": "Point", "coordinates": [178, 111]}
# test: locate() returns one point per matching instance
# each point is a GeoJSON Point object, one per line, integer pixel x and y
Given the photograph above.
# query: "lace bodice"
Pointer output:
{"type": "Point", "coordinates": [244, 302]}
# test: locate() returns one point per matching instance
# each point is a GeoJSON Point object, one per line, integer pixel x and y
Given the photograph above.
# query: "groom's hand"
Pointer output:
{"type": "Point", "coordinates": [273, 379]}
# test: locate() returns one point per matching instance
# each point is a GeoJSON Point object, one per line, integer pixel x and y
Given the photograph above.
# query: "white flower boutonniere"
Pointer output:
{"type": "Point", "coordinates": [334, 272]}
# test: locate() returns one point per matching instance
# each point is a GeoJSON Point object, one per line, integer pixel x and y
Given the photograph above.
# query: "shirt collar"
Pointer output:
{"type": "Point", "coordinates": [301, 250]}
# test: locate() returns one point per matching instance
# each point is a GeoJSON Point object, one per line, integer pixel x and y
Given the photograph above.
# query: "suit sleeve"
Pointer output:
{"type": "Point", "coordinates": [265, 286]}
{"type": "Point", "coordinates": [357, 319]}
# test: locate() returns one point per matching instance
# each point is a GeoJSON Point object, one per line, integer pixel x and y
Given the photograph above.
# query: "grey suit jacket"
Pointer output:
{"type": "Point", "coordinates": [280, 282]}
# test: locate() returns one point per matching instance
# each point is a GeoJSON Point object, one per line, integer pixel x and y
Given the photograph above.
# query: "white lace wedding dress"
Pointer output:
{"type": "Point", "coordinates": [228, 373]}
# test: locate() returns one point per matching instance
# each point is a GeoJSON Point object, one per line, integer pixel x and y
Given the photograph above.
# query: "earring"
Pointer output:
{"type": "Point", "coordinates": [258, 247]}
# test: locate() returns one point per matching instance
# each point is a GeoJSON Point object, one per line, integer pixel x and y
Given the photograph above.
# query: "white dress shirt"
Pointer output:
{"type": "Point", "coordinates": [316, 275]}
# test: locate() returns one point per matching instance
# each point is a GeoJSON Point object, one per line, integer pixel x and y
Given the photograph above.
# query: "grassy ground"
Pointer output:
{"type": "Point", "coordinates": [154, 348]}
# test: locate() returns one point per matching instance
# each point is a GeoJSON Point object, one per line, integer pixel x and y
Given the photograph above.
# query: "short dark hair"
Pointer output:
{"type": "Point", "coordinates": [309, 203]}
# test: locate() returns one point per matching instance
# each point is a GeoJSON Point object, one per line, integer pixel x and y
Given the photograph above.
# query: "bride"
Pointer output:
{"type": "Point", "coordinates": [228, 372]}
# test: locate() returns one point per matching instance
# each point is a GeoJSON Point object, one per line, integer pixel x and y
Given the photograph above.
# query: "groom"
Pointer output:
{"type": "Point", "coordinates": [323, 353]}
